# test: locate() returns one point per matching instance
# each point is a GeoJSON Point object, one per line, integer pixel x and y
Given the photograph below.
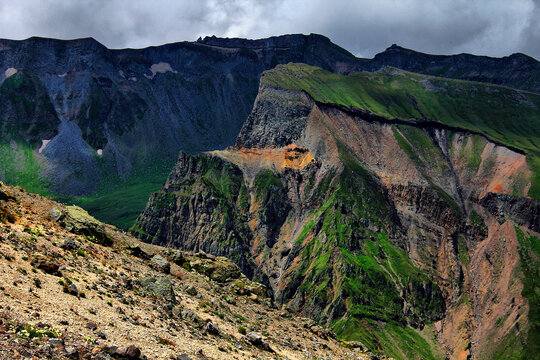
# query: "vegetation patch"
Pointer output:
{"type": "Point", "coordinates": [19, 165]}
{"type": "Point", "coordinates": [394, 340]}
{"type": "Point", "coordinates": [264, 180]}
{"type": "Point", "coordinates": [529, 253]}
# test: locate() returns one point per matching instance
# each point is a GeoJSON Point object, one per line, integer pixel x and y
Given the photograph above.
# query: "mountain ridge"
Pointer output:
{"type": "Point", "coordinates": [125, 111]}
{"type": "Point", "coordinates": [417, 238]}
{"type": "Point", "coordinates": [134, 108]}
{"type": "Point", "coordinates": [402, 48]}
{"type": "Point", "coordinates": [516, 70]}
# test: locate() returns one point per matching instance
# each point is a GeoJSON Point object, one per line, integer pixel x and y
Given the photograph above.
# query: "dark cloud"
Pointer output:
{"type": "Point", "coordinates": [365, 27]}
{"type": "Point", "coordinates": [531, 33]}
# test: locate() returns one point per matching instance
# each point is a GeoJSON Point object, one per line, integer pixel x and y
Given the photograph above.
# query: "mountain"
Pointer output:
{"type": "Point", "coordinates": [518, 71]}
{"type": "Point", "coordinates": [79, 119]}
{"type": "Point", "coordinates": [68, 294]}
{"type": "Point", "coordinates": [400, 210]}
{"type": "Point", "coordinates": [103, 127]}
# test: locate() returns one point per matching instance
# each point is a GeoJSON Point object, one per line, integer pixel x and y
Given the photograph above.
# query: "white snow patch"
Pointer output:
{"type": "Point", "coordinates": [133, 78]}
{"type": "Point", "coordinates": [62, 75]}
{"type": "Point", "coordinates": [100, 152]}
{"type": "Point", "coordinates": [43, 145]}
{"type": "Point", "coordinates": [121, 73]}
{"type": "Point", "coordinates": [10, 72]}
{"type": "Point", "coordinates": [162, 68]}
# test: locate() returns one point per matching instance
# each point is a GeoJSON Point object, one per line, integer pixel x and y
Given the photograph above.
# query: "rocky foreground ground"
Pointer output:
{"type": "Point", "coordinates": [74, 288]}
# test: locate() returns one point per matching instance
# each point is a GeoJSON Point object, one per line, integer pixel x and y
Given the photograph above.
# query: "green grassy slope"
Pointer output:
{"type": "Point", "coordinates": [504, 115]}
{"type": "Point", "coordinates": [121, 206]}
{"type": "Point", "coordinates": [117, 201]}
{"type": "Point", "coordinates": [20, 166]}
{"type": "Point", "coordinates": [120, 201]}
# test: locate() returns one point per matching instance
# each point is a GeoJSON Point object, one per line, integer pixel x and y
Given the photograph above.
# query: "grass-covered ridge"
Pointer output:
{"type": "Point", "coordinates": [507, 116]}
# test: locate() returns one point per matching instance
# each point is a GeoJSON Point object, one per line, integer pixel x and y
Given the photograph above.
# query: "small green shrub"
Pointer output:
{"type": "Point", "coordinates": [242, 330]}
{"type": "Point", "coordinates": [30, 331]}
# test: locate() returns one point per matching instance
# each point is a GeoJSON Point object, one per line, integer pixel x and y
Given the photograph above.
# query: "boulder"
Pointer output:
{"type": "Point", "coordinates": [356, 345]}
{"type": "Point", "coordinates": [256, 288]}
{"type": "Point", "coordinates": [70, 244]}
{"type": "Point", "coordinates": [219, 269]}
{"type": "Point", "coordinates": [224, 270]}
{"type": "Point", "coordinates": [211, 328]}
{"type": "Point", "coordinates": [258, 341]}
{"type": "Point", "coordinates": [254, 338]}
{"type": "Point", "coordinates": [4, 194]}
{"type": "Point", "coordinates": [71, 289]}
{"type": "Point", "coordinates": [129, 352]}
{"type": "Point", "coordinates": [160, 286]}
{"type": "Point", "coordinates": [102, 356]}
{"type": "Point", "coordinates": [161, 264]}
{"type": "Point", "coordinates": [139, 252]}
{"type": "Point", "coordinates": [181, 357]}
{"type": "Point", "coordinates": [191, 290]}
{"type": "Point", "coordinates": [244, 286]}
{"type": "Point", "coordinates": [190, 316]}
{"type": "Point", "coordinates": [78, 221]}
{"type": "Point", "coordinates": [91, 326]}
{"type": "Point", "coordinates": [46, 264]}
{"type": "Point", "coordinates": [178, 258]}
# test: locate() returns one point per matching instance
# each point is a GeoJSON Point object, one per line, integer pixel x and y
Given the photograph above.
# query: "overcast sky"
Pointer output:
{"type": "Point", "coordinates": [364, 27]}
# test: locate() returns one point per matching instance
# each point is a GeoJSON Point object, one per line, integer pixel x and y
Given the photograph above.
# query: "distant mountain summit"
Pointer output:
{"type": "Point", "coordinates": [517, 70]}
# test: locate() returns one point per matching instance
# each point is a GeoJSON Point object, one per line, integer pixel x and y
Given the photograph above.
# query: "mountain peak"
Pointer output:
{"type": "Point", "coordinates": [394, 47]}
{"type": "Point", "coordinates": [42, 42]}
{"type": "Point", "coordinates": [274, 41]}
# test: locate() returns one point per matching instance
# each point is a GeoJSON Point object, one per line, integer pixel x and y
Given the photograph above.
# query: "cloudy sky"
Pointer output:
{"type": "Point", "coordinates": [364, 27]}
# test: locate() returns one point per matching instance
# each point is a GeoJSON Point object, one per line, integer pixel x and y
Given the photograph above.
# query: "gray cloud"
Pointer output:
{"type": "Point", "coordinates": [364, 27]}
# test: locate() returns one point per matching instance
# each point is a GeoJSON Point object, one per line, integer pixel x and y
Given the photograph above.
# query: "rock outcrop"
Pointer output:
{"type": "Point", "coordinates": [78, 221]}
{"type": "Point", "coordinates": [363, 222]}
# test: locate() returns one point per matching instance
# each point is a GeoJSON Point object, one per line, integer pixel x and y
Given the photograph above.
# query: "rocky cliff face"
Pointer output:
{"type": "Point", "coordinates": [385, 230]}
{"type": "Point", "coordinates": [203, 195]}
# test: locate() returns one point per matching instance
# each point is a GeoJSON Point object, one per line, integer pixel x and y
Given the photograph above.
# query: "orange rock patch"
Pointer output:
{"type": "Point", "coordinates": [289, 157]}
{"type": "Point", "coordinates": [296, 157]}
